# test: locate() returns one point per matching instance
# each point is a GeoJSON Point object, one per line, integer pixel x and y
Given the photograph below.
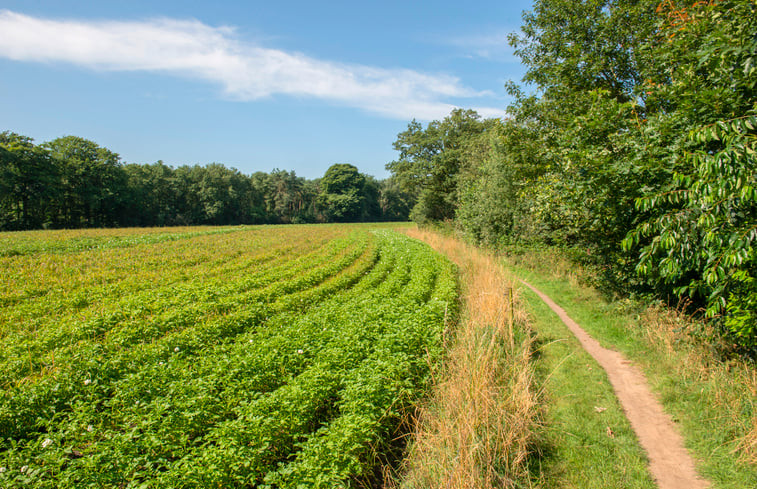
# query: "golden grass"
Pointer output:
{"type": "Point", "coordinates": [478, 428]}
{"type": "Point", "coordinates": [730, 385]}
{"type": "Point", "coordinates": [747, 447]}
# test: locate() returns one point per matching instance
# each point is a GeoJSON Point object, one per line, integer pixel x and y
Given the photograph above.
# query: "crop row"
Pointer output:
{"type": "Point", "coordinates": [115, 342]}
{"type": "Point", "coordinates": [137, 286]}
{"type": "Point", "coordinates": [33, 242]}
{"type": "Point", "coordinates": [295, 372]}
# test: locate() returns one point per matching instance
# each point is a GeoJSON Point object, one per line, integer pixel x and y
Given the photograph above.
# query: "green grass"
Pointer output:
{"type": "Point", "coordinates": [714, 403]}
{"type": "Point", "coordinates": [579, 409]}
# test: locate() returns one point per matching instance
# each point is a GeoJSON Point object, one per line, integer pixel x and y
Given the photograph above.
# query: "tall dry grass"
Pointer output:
{"type": "Point", "coordinates": [479, 426]}
{"type": "Point", "coordinates": [729, 385]}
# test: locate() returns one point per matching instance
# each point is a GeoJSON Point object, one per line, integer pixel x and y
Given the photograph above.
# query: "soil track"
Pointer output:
{"type": "Point", "coordinates": [669, 461]}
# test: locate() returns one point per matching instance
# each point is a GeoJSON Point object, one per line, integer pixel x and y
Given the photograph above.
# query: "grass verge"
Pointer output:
{"type": "Point", "coordinates": [714, 402]}
{"type": "Point", "coordinates": [477, 430]}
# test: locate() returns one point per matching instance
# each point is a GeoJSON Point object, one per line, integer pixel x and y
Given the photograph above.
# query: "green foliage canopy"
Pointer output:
{"type": "Point", "coordinates": [703, 228]}
{"type": "Point", "coordinates": [342, 195]}
{"type": "Point", "coordinates": [430, 160]}
{"type": "Point", "coordinates": [72, 182]}
{"type": "Point", "coordinates": [636, 149]}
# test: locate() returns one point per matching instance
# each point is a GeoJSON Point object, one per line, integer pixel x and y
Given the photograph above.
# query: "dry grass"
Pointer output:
{"type": "Point", "coordinates": [747, 446]}
{"type": "Point", "coordinates": [730, 386]}
{"type": "Point", "coordinates": [478, 428]}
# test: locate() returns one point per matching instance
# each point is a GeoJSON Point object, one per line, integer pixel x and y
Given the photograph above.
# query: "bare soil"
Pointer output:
{"type": "Point", "coordinates": [670, 463]}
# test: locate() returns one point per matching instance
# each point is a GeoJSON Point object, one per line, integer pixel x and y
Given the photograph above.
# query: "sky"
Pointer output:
{"type": "Point", "coordinates": [254, 85]}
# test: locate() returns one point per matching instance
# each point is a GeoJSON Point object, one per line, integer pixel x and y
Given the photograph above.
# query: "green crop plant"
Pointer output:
{"type": "Point", "coordinates": [189, 357]}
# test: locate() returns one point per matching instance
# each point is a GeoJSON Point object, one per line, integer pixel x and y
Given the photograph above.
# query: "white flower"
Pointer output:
{"type": "Point", "coordinates": [47, 443]}
{"type": "Point", "coordinates": [2, 469]}
{"type": "Point", "coordinates": [23, 469]}
{"type": "Point", "coordinates": [160, 363]}
{"type": "Point", "coordinates": [176, 349]}
{"type": "Point", "coordinates": [300, 352]}
{"type": "Point", "coordinates": [87, 381]}
{"type": "Point", "coordinates": [89, 428]}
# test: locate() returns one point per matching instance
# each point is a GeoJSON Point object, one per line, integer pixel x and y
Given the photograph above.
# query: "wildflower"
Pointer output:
{"type": "Point", "coordinates": [160, 363]}
{"type": "Point", "coordinates": [24, 468]}
{"type": "Point", "coordinates": [176, 349]}
{"type": "Point", "coordinates": [2, 469]}
{"type": "Point", "coordinates": [300, 352]}
{"type": "Point", "coordinates": [47, 443]}
{"type": "Point", "coordinates": [87, 381]}
{"type": "Point", "coordinates": [90, 428]}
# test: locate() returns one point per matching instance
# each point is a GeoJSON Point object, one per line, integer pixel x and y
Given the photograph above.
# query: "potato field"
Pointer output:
{"type": "Point", "coordinates": [266, 356]}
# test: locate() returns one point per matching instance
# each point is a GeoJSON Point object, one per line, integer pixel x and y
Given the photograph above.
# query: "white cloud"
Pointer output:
{"type": "Point", "coordinates": [492, 46]}
{"type": "Point", "coordinates": [246, 72]}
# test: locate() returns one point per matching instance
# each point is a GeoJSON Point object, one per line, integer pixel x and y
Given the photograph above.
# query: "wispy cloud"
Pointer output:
{"type": "Point", "coordinates": [245, 71]}
{"type": "Point", "coordinates": [492, 46]}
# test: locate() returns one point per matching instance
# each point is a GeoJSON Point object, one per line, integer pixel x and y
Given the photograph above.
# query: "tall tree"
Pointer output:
{"type": "Point", "coordinates": [342, 193]}
{"type": "Point", "coordinates": [371, 200]}
{"type": "Point", "coordinates": [588, 60]}
{"type": "Point", "coordinates": [430, 161]}
{"type": "Point", "coordinates": [701, 238]}
{"type": "Point", "coordinates": [571, 46]}
{"type": "Point", "coordinates": [92, 182]}
{"type": "Point", "coordinates": [28, 183]}
{"type": "Point", "coordinates": [288, 197]}
{"type": "Point", "coordinates": [496, 198]}
{"type": "Point", "coordinates": [395, 202]}
{"type": "Point", "coordinates": [150, 198]}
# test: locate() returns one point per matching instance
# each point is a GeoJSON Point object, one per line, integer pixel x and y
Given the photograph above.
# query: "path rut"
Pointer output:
{"type": "Point", "coordinates": [670, 463]}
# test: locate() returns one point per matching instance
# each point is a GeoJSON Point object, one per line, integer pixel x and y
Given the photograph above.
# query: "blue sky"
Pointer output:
{"type": "Point", "coordinates": [255, 85]}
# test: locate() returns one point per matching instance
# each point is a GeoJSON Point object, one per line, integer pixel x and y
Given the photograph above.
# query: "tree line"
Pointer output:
{"type": "Point", "coordinates": [71, 182]}
{"type": "Point", "coordinates": [636, 150]}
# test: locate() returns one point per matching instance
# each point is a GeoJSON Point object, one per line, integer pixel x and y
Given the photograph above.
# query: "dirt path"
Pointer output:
{"type": "Point", "coordinates": [669, 461]}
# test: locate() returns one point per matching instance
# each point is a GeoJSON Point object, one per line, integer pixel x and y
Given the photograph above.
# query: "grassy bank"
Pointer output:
{"type": "Point", "coordinates": [478, 429]}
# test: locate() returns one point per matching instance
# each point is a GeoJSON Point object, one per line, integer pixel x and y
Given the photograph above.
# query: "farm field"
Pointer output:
{"type": "Point", "coordinates": [241, 356]}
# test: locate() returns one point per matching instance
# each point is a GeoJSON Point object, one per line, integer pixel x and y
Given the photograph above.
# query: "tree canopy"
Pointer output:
{"type": "Point", "coordinates": [72, 182]}
{"type": "Point", "coordinates": [635, 149]}
{"type": "Point", "coordinates": [342, 194]}
{"type": "Point", "coordinates": [430, 160]}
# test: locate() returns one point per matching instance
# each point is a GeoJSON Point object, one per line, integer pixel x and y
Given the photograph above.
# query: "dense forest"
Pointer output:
{"type": "Point", "coordinates": [72, 182]}
{"type": "Point", "coordinates": [633, 146]}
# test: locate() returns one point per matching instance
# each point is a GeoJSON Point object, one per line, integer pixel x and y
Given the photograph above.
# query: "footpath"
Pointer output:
{"type": "Point", "coordinates": [669, 462]}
